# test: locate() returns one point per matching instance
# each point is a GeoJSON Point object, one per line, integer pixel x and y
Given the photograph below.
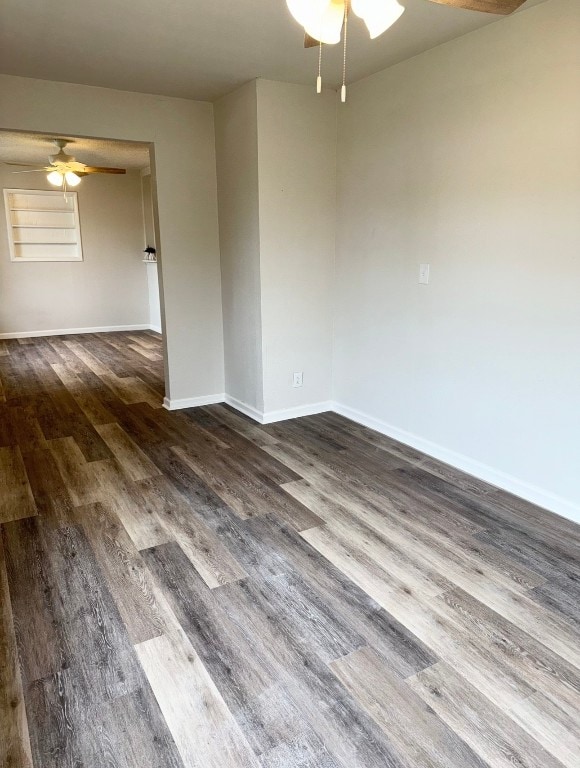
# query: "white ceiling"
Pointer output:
{"type": "Point", "coordinates": [35, 149]}
{"type": "Point", "coordinates": [201, 49]}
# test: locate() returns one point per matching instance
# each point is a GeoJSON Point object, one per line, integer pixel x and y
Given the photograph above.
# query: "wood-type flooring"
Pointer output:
{"type": "Point", "coordinates": [193, 590]}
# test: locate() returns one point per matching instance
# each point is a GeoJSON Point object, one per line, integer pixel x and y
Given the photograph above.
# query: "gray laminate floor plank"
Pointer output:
{"type": "Point", "coordinates": [128, 581]}
{"type": "Point", "coordinates": [562, 596]}
{"type": "Point", "coordinates": [246, 608]}
{"type": "Point", "coordinates": [272, 551]}
{"type": "Point", "coordinates": [488, 731]}
{"type": "Point", "coordinates": [416, 730]}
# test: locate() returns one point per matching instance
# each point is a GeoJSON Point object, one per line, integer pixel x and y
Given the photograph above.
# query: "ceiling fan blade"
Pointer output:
{"type": "Point", "coordinates": [24, 165]}
{"type": "Point", "coordinates": [97, 169]}
{"type": "Point", "coordinates": [34, 170]}
{"type": "Point", "coordinates": [310, 42]}
{"type": "Point", "coordinates": [503, 7]}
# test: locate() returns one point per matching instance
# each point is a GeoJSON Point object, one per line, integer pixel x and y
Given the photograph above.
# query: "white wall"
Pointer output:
{"type": "Point", "coordinates": [276, 162]}
{"type": "Point", "coordinates": [154, 297]}
{"type": "Point", "coordinates": [108, 288]}
{"type": "Point", "coordinates": [182, 134]}
{"type": "Point", "coordinates": [237, 171]}
{"type": "Point", "coordinates": [297, 189]}
{"type": "Point", "coordinates": [150, 239]}
{"type": "Point", "coordinates": [468, 158]}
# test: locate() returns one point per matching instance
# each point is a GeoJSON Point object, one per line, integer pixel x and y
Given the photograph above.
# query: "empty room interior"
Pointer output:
{"type": "Point", "coordinates": [290, 384]}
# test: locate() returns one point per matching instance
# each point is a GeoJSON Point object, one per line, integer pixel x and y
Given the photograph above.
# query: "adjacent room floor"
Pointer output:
{"type": "Point", "coordinates": [191, 589]}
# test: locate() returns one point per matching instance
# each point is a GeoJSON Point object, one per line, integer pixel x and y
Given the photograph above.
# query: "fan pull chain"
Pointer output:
{"type": "Point", "coordinates": [319, 78]}
{"type": "Point", "coordinates": [343, 89]}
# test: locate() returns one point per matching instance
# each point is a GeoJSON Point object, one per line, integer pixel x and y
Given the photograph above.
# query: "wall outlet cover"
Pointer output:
{"type": "Point", "coordinates": [298, 379]}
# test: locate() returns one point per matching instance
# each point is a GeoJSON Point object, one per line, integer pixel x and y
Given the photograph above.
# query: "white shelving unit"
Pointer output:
{"type": "Point", "coordinates": [43, 225]}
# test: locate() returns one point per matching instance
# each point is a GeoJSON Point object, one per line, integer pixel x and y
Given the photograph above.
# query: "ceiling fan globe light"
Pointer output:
{"type": "Point", "coordinates": [55, 178]}
{"type": "Point", "coordinates": [378, 15]}
{"type": "Point", "coordinates": [326, 25]}
{"type": "Point", "coordinates": [306, 11]}
{"type": "Point", "coordinates": [72, 179]}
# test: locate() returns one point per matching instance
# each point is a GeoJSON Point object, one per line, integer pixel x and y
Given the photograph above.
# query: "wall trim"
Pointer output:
{"type": "Point", "coordinates": [532, 493]}
{"type": "Point", "coordinates": [192, 402]}
{"type": "Point", "coordinates": [67, 331]}
{"type": "Point", "coordinates": [244, 408]}
{"type": "Point", "coordinates": [269, 417]}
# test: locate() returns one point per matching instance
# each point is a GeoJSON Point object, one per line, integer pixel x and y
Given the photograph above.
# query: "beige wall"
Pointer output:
{"type": "Point", "coordinates": [297, 184]}
{"type": "Point", "coordinates": [468, 158]}
{"type": "Point", "coordinates": [236, 121]}
{"type": "Point", "coordinates": [108, 288]}
{"type": "Point", "coordinates": [182, 134]}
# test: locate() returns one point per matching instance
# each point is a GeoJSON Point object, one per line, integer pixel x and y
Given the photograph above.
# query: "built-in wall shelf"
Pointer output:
{"type": "Point", "coordinates": [43, 225]}
{"type": "Point", "coordinates": [42, 210]}
{"type": "Point", "coordinates": [38, 226]}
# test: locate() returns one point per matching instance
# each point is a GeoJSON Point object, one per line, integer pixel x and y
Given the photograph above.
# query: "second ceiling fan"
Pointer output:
{"type": "Point", "coordinates": [64, 170]}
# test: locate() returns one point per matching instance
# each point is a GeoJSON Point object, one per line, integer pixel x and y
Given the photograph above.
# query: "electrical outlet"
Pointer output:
{"type": "Point", "coordinates": [298, 379]}
{"type": "Point", "coordinates": [424, 270]}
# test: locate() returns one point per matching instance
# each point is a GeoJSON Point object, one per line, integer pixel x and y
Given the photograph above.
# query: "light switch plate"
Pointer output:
{"type": "Point", "coordinates": [424, 270]}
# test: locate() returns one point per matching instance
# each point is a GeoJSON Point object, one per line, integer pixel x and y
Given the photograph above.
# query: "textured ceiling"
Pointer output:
{"type": "Point", "coordinates": [202, 49]}
{"type": "Point", "coordinates": [34, 148]}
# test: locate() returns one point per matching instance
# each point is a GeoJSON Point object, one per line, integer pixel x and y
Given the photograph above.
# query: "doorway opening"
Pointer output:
{"type": "Point", "coordinates": [79, 245]}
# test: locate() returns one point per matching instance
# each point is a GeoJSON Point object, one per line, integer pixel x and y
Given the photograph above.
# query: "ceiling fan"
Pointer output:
{"type": "Point", "coordinates": [326, 21]}
{"type": "Point", "coordinates": [64, 170]}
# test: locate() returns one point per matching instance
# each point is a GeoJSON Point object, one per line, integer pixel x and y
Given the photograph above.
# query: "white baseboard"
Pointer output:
{"type": "Point", "coordinates": [269, 417]}
{"type": "Point", "coordinates": [67, 331]}
{"type": "Point", "coordinates": [155, 328]}
{"type": "Point", "coordinates": [524, 490]}
{"type": "Point", "coordinates": [244, 408]}
{"type": "Point", "coordinates": [192, 402]}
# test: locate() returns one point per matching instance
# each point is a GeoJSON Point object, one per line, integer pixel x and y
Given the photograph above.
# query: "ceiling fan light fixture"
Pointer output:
{"type": "Point", "coordinates": [72, 179]}
{"type": "Point", "coordinates": [378, 15]}
{"type": "Point", "coordinates": [326, 25]}
{"type": "Point", "coordinates": [307, 11]}
{"type": "Point", "coordinates": [55, 178]}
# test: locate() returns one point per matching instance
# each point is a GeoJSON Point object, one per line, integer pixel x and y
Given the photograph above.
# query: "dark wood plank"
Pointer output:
{"type": "Point", "coordinates": [248, 491]}
{"type": "Point", "coordinates": [42, 645]}
{"type": "Point", "coordinates": [16, 499]}
{"type": "Point", "coordinates": [212, 560]}
{"type": "Point", "coordinates": [68, 731]}
{"type": "Point", "coordinates": [14, 739]}
{"type": "Point", "coordinates": [65, 601]}
{"type": "Point", "coordinates": [51, 496]}
{"type": "Point", "coordinates": [562, 596]}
